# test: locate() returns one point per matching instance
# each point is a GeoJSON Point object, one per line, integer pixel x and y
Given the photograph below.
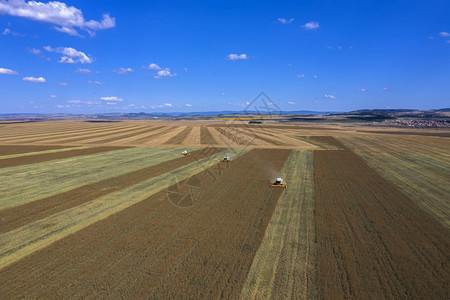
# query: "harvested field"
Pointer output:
{"type": "Point", "coordinates": [23, 160]}
{"type": "Point", "coordinates": [206, 137]}
{"type": "Point", "coordinates": [372, 240]}
{"type": "Point", "coordinates": [284, 266]}
{"type": "Point", "coordinates": [17, 149]}
{"type": "Point", "coordinates": [213, 231]}
{"type": "Point", "coordinates": [180, 137]}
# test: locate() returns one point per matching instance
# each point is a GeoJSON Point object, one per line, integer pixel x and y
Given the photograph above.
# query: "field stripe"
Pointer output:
{"type": "Point", "coordinates": [36, 235]}
{"type": "Point", "coordinates": [284, 266]}
{"type": "Point", "coordinates": [180, 137]}
{"type": "Point", "coordinates": [6, 150]}
{"type": "Point", "coordinates": [117, 137]}
{"type": "Point", "coordinates": [27, 183]}
{"type": "Point", "coordinates": [43, 152]}
{"type": "Point", "coordinates": [372, 240]}
{"type": "Point", "coordinates": [206, 137]}
{"type": "Point", "coordinates": [163, 131]}
{"type": "Point", "coordinates": [17, 216]}
{"type": "Point", "coordinates": [17, 161]}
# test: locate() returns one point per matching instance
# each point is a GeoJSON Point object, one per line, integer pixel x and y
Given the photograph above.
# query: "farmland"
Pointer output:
{"type": "Point", "coordinates": [112, 210]}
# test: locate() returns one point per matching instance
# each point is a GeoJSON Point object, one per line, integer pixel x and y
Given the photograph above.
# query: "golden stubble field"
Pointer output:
{"type": "Point", "coordinates": [112, 209]}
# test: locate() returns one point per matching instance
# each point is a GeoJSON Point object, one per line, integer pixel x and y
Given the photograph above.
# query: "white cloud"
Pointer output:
{"type": "Point", "coordinates": [34, 79]}
{"type": "Point", "coordinates": [234, 56]}
{"type": "Point", "coordinates": [7, 31]}
{"type": "Point", "coordinates": [83, 71]}
{"type": "Point", "coordinates": [168, 104]}
{"type": "Point", "coordinates": [185, 69]}
{"type": "Point", "coordinates": [8, 71]}
{"type": "Point", "coordinates": [291, 103]}
{"type": "Point", "coordinates": [285, 21]}
{"type": "Point", "coordinates": [315, 76]}
{"type": "Point", "coordinates": [311, 25]}
{"type": "Point", "coordinates": [60, 106]}
{"type": "Point", "coordinates": [74, 101]}
{"type": "Point", "coordinates": [35, 51]}
{"type": "Point", "coordinates": [329, 96]}
{"type": "Point", "coordinates": [52, 96]}
{"type": "Point", "coordinates": [301, 75]}
{"type": "Point", "coordinates": [70, 55]}
{"type": "Point", "coordinates": [444, 34]}
{"type": "Point", "coordinates": [362, 90]}
{"type": "Point", "coordinates": [386, 89]}
{"type": "Point", "coordinates": [223, 94]}
{"type": "Point", "coordinates": [123, 71]}
{"type": "Point", "coordinates": [95, 82]}
{"type": "Point", "coordinates": [111, 99]}
{"type": "Point", "coordinates": [153, 66]}
{"type": "Point", "coordinates": [63, 83]}
{"type": "Point", "coordinates": [66, 18]}
{"type": "Point", "coordinates": [165, 73]}
{"type": "Point", "coordinates": [188, 105]}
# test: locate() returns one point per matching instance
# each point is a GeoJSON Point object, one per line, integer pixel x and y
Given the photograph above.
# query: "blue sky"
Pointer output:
{"type": "Point", "coordinates": [160, 56]}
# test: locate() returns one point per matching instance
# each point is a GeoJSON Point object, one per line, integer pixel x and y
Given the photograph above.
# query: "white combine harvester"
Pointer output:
{"type": "Point", "coordinates": [226, 159]}
{"type": "Point", "coordinates": [279, 183]}
{"type": "Point", "coordinates": [185, 152]}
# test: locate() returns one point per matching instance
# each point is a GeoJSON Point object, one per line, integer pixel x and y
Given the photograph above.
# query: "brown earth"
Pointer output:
{"type": "Point", "coordinates": [234, 136]}
{"type": "Point", "coordinates": [18, 149]}
{"type": "Point", "coordinates": [179, 138]}
{"type": "Point", "coordinates": [372, 240]}
{"type": "Point", "coordinates": [206, 137]}
{"type": "Point", "coordinates": [24, 160]}
{"type": "Point", "coordinates": [162, 130]}
{"type": "Point", "coordinates": [17, 216]}
{"type": "Point", "coordinates": [426, 133]}
{"type": "Point", "coordinates": [155, 249]}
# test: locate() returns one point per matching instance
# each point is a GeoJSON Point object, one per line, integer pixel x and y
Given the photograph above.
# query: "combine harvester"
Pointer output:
{"type": "Point", "coordinates": [279, 183]}
{"type": "Point", "coordinates": [226, 159]}
{"type": "Point", "coordinates": [185, 152]}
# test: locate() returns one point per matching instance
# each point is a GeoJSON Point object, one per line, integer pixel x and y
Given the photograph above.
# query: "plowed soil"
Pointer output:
{"type": "Point", "coordinates": [206, 137]}
{"type": "Point", "coordinates": [17, 216]}
{"type": "Point", "coordinates": [154, 249]}
{"type": "Point", "coordinates": [373, 241]}
{"type": "Point", "coordinates": [179, 138]}
{"type": "Point", "coordinates": [23, 160]}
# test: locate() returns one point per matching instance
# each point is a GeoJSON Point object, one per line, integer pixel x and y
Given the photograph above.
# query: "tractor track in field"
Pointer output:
{"type": "Point", "coordinates": [17, 216]}
{"type": "Point", "coordinates": [372, 240]}
{"type": "Point", "coordinates": [156, 249]}
{"type": "Point", "coordinates": [32, 159]}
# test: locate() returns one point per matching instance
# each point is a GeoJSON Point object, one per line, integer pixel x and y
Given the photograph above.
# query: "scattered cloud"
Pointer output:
{"type": "Point", "coordinates": [185, 69]}
{"type": "Point", "coordinates": [123, 71]}
{"type": "Point", "coordinates": [315, 76]}
{"type": "Point", "coordinates": [70, 55]}
{"type": "Point", "coordinates": [83, 71]}
{"type": "Point", "coordinates": [223, 94]}
{"type": "Point", "coordinates": [291, 103]}
{"type": "Point", "coordinates": [74, 101]}
{"type": "Point", "coordinates": [234, 56]}
{"type": "Point", "coordinates": [153, 66]}
{"type": "Point", "coordinates": [110, 99]}
{"type": "Point", "coordinates": [34, 51]}
{"type": "Point", "coordinates": [444, 34]}
{"type": "Point", "coordinates": [95, 82]}
{"type": "Point", "coordinates": [34, 79]}
{"type": "Point", "coordinates": [188, 105]}
{"type": "Point", "coordinates": [8, 71]}
{"type": "Point", "coordinates": [386, 88]}
{"type": "Point", "coordinates": [52, 96]}
{"type": "Point", "coordinates": [285, 21]}
{"type": "Point", "coordinates": [8, 31]}
{"type": "Point", "coordinates": [362, 90]}
{"type": "Point", "coordinates": [301, 75]}
{"type": "Point", "coordinates": [311, 25]}
{"type": "Point", "coordinates": [66, 18]}
{"type": "Point", "coordinates": [165, 73]}
{"type": "Point", "coordinates": [63, 83]}
{"type": "Point", "coordinates": [168, 104]}
{"type": "Point", "coordinates": [329, 96]}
